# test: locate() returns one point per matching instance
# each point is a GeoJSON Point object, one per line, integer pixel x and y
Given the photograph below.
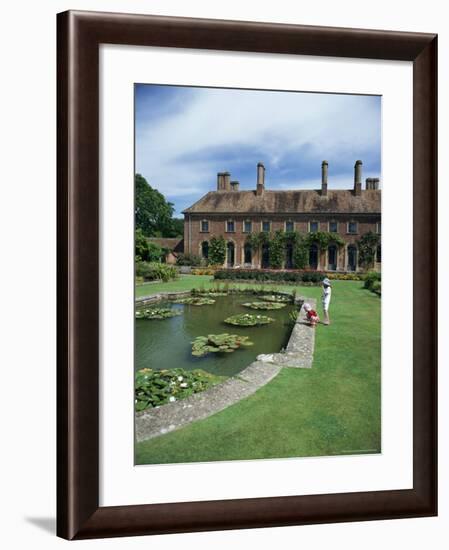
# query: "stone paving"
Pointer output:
{"type": "Point", "coordinates": [298, 354]}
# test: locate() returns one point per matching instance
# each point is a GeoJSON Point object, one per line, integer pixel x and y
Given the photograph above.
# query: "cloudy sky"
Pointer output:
{"type": "Point", "coordinates": [185, 135]}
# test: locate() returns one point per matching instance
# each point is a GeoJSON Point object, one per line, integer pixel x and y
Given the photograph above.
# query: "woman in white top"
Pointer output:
{"type": "Point", "coordinates": [327, 292]}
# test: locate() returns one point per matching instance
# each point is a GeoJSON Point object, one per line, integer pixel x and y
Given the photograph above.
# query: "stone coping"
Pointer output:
{"type": "Point", "coordinates": [172, 416]}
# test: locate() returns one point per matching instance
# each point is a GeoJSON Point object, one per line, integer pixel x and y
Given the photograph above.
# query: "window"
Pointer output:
{"type": "Point", "coordinates": [379, 227]}
{"type": "Point", "coordinates": [313, 227]}
{"type": "Point", "coordinates": [230, 226]}
{"type": "Point", "coordinates": [247, 226]}
{"type": "Point", "coordinates": [352, 258]}
{"type": "Point", "coordinates": [332, 257]}
{"type": "Point", "coordinates": [352, 227]}
{"type": "Point", "coordinates": [266, 227]}
{"type": "Point", "coordinates": [204, 226]}
{"type": "Point", "coordinates": [230, 256]}
{"type": "Point", "coordinates": [248, 254]}
{"type": "Point", "coordinates": [379, 254]}
{"type": "Point", "coordinates": [333, 227]}
{"type": "Point", "coordinates": [289, 226]}
{"type": "Point", "coordinates": [205, 250]}
{"type": "Point", "coordinates": [313, 257]}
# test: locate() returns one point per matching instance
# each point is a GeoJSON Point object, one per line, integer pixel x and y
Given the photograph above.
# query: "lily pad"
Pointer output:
{"type": "Point", "coordinates": [248, 320]}
{"type": "Point", "coordinates": [195, 301]}
{"type": "Point", "coordinates": [157, 313]}
{"type": "Point", "coordinates": [280, 298]}
{"type": "Point", "coordinates": [218, 343]}
{"type": "Point", "coordinates": [264, 305]}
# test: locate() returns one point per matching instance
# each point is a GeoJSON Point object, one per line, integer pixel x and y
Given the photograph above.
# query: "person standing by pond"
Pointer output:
{"type": "Point", "coordinates": [327, 292]}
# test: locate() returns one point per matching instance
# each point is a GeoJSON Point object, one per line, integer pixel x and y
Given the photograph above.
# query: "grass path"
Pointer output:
{"type": "Point", "coordinates": [331, 409]}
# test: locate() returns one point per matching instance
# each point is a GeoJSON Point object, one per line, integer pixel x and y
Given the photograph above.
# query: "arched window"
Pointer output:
{"type": "Point", "coordinates": [230, 253]}
{"type": "Point", "coordinates": [313, 256]}
{"type": "Point", "coordinates": [205, 250]}
{"type": "Point", "coordinates": [352, 258]}
{"type": "Point", "coordinates": [289, 256]}
{"type": "Point", "coordinates": [265, 256]}
{"type": "Point", "coordinates": [379, 253]}
{"type": "Point", "coordinates": [248, 254]}
{"type": "Point", "coordinates": [332, 258]}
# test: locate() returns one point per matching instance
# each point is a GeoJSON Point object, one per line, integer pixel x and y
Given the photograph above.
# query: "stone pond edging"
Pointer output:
{"type": "Point", "coordinates": [172, 416]}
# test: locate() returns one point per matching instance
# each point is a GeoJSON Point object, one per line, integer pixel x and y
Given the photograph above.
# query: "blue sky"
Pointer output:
{"type": "Point", "coordinates": [185, 135]}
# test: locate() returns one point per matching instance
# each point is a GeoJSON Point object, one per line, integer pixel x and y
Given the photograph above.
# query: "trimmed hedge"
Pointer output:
{"type": "Point", "coordinates": [270, 275]}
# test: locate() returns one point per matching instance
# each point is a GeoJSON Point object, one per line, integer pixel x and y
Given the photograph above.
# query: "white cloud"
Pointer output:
{"type": "Point", "coordinates": [274, 123]}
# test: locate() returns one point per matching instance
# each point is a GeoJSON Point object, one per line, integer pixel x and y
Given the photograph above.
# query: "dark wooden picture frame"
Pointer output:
{"type": "Point", "coordinates": [79, 37]}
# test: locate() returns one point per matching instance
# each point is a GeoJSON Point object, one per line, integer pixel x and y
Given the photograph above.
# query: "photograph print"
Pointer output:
{"type": "Point", "coordinates": [257, 274]}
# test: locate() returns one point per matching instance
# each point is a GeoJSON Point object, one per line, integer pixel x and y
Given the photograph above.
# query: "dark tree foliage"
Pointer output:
{"type": "Point", "coordinates": [153, 213]}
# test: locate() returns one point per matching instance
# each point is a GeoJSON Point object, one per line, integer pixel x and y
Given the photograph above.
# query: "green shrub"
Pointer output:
{"type": "Point", "coordinates": [373, 282]}
{"type": "Point", "coordinates": [189, 259]}
{"type": "Point", "coordinates": [217, 250]}
{"type": "Point", "coordinates": [156, 387]}
{"type": "Point", "coordinates": [370, 278]}
{"type": "Point", "coordinates": [153, 271]}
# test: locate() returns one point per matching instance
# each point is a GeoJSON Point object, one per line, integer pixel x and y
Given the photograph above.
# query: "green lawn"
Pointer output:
{"type": "Point", "coordinates": [331, 409]}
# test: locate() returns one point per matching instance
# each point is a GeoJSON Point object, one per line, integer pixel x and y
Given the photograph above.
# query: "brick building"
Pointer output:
{"type": "Point", "coordinates": [234, 214]}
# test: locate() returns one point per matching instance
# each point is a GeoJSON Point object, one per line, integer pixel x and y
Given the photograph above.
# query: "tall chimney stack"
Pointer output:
{"type": "Point", "coordinates": [324, 170]}
{"type": "Point", "coordinates": [227, 181]}
{"type": "Point", "coordinates": [220, 181]}
{"type": "Point", "coordinates": [358, 178]}
{"type": "Point", "coordinates": [260, 179]}
{"type": "Point", "coordinates": [235, 185]}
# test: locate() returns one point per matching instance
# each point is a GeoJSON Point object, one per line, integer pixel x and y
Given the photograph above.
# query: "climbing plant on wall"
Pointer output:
{"type": "Point", "coordinates": [217, 250]}
{"type": "Point", "coordinates": [276, 249]}
{"type": "Point", "coordinates": [323, 239]}
{"type": "Point", "coordinates": [367, 248]}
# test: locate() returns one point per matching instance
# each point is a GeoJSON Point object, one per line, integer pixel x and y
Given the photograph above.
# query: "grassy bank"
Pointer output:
{"type": "Point", "coordinates": [331, 409]}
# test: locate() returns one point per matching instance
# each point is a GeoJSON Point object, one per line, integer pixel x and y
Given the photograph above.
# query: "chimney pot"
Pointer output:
{"type": "Point", "coordinates": [235, 185]}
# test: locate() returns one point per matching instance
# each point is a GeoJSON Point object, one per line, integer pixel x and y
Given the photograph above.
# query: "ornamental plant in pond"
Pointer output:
{"type": "Point", "coordinates": [195, 301]}
{"type": "Point", "coordinates": [157, 313]}
{"type": "Point", "coordinates": [248, 320]}
{"type": "Point", "coordinates": [218, 343]}
{"type": "Point", "coordinates": [158, 387]}
{"type": "Point", "coordinates": [279, 298]}
{"type": "Point", "coordinates": [264, 305]}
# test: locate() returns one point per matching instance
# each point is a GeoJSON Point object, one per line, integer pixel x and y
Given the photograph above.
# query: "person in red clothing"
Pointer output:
{"type": "Point", "coordinates": [311, 315]}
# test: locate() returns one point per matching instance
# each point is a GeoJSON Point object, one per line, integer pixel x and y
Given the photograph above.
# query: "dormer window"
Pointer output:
{"type": "Point", "coordinates": [204, 226]}
{"type": "Point", "coordinates": [313, 227]}
{"type": "Point", "coordinates": [230, 226]}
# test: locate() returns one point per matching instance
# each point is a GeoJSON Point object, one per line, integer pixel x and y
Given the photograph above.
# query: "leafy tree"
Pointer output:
{"type": "Point", "coordinates": [141, 245]}
{"type": "Point", "coordinates": [177, 228]}
{"type": "Point", "coordinates": [153, 213]}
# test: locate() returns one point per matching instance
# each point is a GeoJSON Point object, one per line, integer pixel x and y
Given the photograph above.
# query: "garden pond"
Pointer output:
{"type": "Point", "coordinates": [167, 343]}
